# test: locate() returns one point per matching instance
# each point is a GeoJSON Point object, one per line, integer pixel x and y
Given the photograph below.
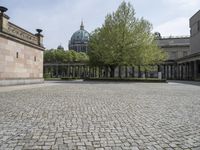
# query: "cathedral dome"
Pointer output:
{"type": "Point", "coordinates": [79, 40]}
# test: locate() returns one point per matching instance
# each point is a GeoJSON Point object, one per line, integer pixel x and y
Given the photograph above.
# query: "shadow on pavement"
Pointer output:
{"type": "Point", "coordinates": [197, 83]}
{"type": "Point", "coordinates": [93, 82]}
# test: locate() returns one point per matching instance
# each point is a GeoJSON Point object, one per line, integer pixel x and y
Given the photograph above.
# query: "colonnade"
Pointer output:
{"type": "Point", "coordinates": [84, 71]}
{"type": "Point", "coordinates": [71, 71]}
{"type": "Point", "coordinates": [189, 70]}
{"type": "Point", "coordinates": [180, 70]}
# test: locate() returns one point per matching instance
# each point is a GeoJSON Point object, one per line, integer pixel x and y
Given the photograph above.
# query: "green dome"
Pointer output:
{"type": "Point", "coordinates": [79, 40]}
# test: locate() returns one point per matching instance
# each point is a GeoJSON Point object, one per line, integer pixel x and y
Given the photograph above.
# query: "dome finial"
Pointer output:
{"type": "Point", "coordinates": [82, 26]}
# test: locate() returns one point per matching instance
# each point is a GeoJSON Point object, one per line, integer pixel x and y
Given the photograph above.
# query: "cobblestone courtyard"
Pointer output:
{"type": "Point", "coordinates": [100, 116]}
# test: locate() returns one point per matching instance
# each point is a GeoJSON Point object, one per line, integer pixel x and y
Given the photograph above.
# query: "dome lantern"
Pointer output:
{"type": "Point", "coordinates": [82, 26]}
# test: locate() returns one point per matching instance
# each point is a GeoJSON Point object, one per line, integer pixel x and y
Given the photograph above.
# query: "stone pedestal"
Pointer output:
{"type": "Point", "coordinates": [159, 75]}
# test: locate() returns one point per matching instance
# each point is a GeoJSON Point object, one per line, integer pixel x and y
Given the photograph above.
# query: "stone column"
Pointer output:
{"type": "Point", "coordinates": [187, 75]}
{"type": "Point", "coordinates": [182, 72]}
{"type": "Point", "coordinates": [133, 72]}
{"type": "Point", "coordinates": [73, 72]}
{"type": "Point", "coordinates": [191, 70]}
{"type": "Point", "coordinates": [100, 71]}
{"type": "Point", "coordinates": [82, 71]}
{"type": "Point", "coordinates": [167, 72]}
{"type": "Point", "coordinates": [77, 71]}
{"type": "Point", "coordinates": [195, 70]}
{"type": "Point", "coordinates": [89, 72]}
{"type": "Point", "coordinates": [171, 71]}
{"type": "Point", "coordinates": [185, 71]}
{"type": "Point", "coordinates": [126, 72]}
{"type": "Point", "coordinates": [188, 70]}
{"type": "Point", "coordinates": [139, 72]}
{"type": "Point", "coordinates": [175, 71]}
{"type": "Point", "coordinates": [95, 72]}
{"type": "Point", "coordinates": [178, 72]}
{"type": "Point", "coordinates": [67, 71]}
{"type": "Point", "coordinates": [56, 71]}
{"type": "Point", "coordinates": [164, 71]}
{"type": "Point", "coordinates": [70, 70]}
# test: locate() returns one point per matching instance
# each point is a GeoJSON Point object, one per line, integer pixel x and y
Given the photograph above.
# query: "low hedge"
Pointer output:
{"type": "Point", "coordinates": [70, 78]}
{"type": "Point", "coordinates": [52, 79]}
{"type": "Point", "coordinates": [152, 80]}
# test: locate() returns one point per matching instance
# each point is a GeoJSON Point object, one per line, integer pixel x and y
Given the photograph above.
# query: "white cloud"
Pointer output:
{"type": "Point", "coordinates": [175, 27]}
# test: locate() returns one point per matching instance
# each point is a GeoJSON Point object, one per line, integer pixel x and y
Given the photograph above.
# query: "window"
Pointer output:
{"type": "Point", "coordinates": [17, 55]}
{"type": "Point", "coordinates": [198, 25]}
{"type": "Point", "coordinates": [35, 58]}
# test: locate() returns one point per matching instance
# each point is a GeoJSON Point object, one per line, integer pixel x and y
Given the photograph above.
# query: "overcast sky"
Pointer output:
{"type": "Point", "coordinates": [59, 19]}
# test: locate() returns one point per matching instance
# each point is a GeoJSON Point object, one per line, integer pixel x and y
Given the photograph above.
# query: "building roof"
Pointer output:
{"type": "Point", "coordinates": [80, 36]}
{"type": "Point", "coordinates": [174, 41]}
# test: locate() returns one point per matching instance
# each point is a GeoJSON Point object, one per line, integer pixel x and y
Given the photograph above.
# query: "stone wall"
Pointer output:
{"type": "Point", "coordinates": [29, 63]}
{"type": "Point", "coordinates": [176, 52]}
{"type": "Point", "coordinates": [175, 47]}
{"type": "Point", "coordinates": [195, 33]}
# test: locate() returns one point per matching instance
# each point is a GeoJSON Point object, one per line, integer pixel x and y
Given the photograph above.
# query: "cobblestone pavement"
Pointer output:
{"type": "Point", "coordinates": [100, 116]}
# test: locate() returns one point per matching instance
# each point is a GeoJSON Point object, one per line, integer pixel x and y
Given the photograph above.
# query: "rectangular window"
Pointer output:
{"type": "Point", "coordinates": [17, 55]}
{"type": "Point", "coordinates": [198, 25]}
{"type": "Point", "coordinates": [35, 58]}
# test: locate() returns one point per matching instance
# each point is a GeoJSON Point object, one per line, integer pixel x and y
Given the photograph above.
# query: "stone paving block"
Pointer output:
{"type": "Point", "coordinates": [132, 116]}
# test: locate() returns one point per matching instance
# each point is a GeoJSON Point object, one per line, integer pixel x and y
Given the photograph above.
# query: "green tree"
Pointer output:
{"type": "Point", "coordinates": [124, 40]}
{"type": "Point", "coordinates": [61, 56]}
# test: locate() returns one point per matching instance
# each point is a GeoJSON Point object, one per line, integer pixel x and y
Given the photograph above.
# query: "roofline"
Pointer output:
{"type": "Point", "coordinates": [166, 38]}
{"type": "Point", "coordinates": [189, 56]}
{"type": "Point", "coordinates": [195, 14]}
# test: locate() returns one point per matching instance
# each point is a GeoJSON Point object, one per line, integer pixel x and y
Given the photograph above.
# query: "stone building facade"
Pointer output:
{"type": "Point", "coordinates": [187, 66]}
{"type": "Point", "coordinates": [183, 62]}
{"type": "Point", "coordinates": [21, 53]}
{"type": "Point", "coordinates": [175, 47]}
